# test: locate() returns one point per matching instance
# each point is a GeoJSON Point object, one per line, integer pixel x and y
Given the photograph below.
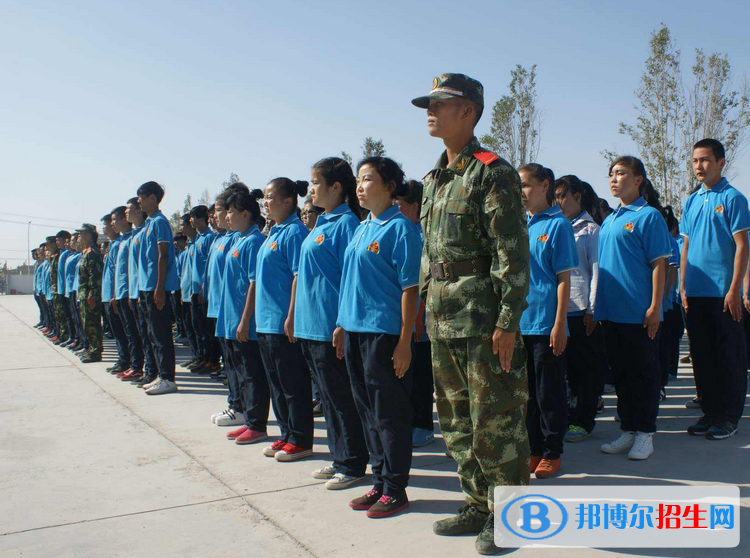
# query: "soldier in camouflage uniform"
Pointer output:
{"type": "Point", "coordinates": [62, 333]}
{"type": "Point", "coordinates": [474, 279]}
{"type": "Point", "coordinates": [90, 292]}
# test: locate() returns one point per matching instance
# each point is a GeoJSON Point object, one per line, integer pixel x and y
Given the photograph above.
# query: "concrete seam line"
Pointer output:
{"type": "Point", "coordinates": [259, 512]}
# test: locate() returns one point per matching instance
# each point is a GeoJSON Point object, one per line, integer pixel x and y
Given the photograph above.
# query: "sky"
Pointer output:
{"type": "Point", "coordinates": [98, 97]}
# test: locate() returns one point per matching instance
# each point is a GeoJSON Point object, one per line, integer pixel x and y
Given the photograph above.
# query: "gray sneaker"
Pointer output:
{"type": "Point", "coordinates": [325, 473]}
{"type": "Point", "coordinates": [339, 481]}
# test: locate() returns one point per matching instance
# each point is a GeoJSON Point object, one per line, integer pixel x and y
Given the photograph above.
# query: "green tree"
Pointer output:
{"type": "Point", "coordinates": [515, 129]}
{"type": "Point", "coordinates": [233, 178]}
{"type": "Point", "coordinates": [372, 148]}
{"type": "Point", "coordinates": [346, 157]}
{"type": "Point", "coordinates": [175, 218]}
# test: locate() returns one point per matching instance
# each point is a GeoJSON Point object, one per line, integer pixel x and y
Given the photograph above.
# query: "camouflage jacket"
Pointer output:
{"type": "Point", "coordinates": [54, 262]}
{"type": "Point", "coordinates": [90, 274]}
{"type": "Point", "coordinates": [472, 209]}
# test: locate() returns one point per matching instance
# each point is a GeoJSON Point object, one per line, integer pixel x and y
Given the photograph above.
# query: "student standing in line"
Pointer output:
{"type": "Point", "coordinates": [157, 275]}
{"type": "Point", "coordinates": [207, 344]}
{"type": "Point", "coordinates": [316, 310]}
{"type": "Point", "coordinates": [633, 251]}
{"type": "Point", "coordinates": [120, 304]}
{"type": "Point", "coordinates": [715, 221]}
{"type": "Point", "coordinates": [186, 291]}
{"type": "Point", "coordinates": [71, 272]}
{"type": "Point", "coordinates": [90, 292]}
{"type": "Point", "coordinates": [668, 333]}
{"type": "Point", "coordinates": [108, 298]}
{"type": "Point", "coordinates": [66, 272]}
{"type": "Point", "coordinates": [377, 311]}
{"type": "Point", "coordinates": [35, 288]}
{"type": "Point", "coordinates": [553, 255]}
{"type": "Point", "coordinates": [84, 345]}
{"type": "Point", "coordinates": [586, 360]}
{"type": "Point", "coordinates": [50, 247]}
{"type": "Point", "coordinates": [61, 239]}
{"type": "Point", "coordinates": [233, 415]}
{"type": "Point", "coordinates": [236, 316]}
{"type": "Point", "coordinates": [423, 388]}
{"type": "Point", "coordinates": [180, 241]}
{"type": "Point", "coordinates": [288, 375]}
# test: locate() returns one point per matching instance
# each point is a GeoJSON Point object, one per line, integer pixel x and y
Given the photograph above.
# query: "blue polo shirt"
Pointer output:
{"type": "Point", "coordinates": [319, 279]}
{"type": "Point", "coordinates": [221, 246]}
{"type": "Point", "coordinates": [630, 239]}
{"type": "Point", "coordinates": [186, 278]}
{"type": "Point", "coordinates": [61, 271]}
{"type": "Point", "coordinates": [239, 271]}
{"type": "Point", "coordinates": [278, 261]}
{"type": "Point", "coordinates": [108, 270]}
{"type": "Point", "coordinates": [47, 281]}
{"type": "Point", "coordinates": [121, 267]}
{"type": "Point", "coordinates": [156, 231]}
{"type": "Point", "coordinates": [552, 250]}
{"type": "Point", "coordinates": [134, 258]}
{"type": "Point", "coordinates": [381, 262]}
{"type": "Point", "coordinates": [203, 242]}
{"type": "Point", "coordinates": [71, 273]}
{"type": "Point", "coordinates": [670, 296]}
{"type": "Point", "coordinates": [710, 219]}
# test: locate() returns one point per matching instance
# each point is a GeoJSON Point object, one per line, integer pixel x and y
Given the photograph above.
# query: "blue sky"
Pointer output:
{"type": "Point", "coordinates": [98, 97]}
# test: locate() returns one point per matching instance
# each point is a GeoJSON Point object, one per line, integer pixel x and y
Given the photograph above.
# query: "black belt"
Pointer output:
{"type": "Point", "coordinates": [452, 270]}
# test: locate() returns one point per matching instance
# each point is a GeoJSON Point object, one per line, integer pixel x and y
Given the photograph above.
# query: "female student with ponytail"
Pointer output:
{"type": "Point", "coordinates": [586, 359]}
{"type": "Point", "coordinates": [276, 280]}
{"type": "Point", "coordinates": [316, 310]}
{"type": "Point", "coordinates": [236, 316]}
{"type": "Point", "coordinates": [633, 250]}
{"type": "Point", "coordinates": [377, 311]}
{"type": "Point", "coordinates": [553, 256]}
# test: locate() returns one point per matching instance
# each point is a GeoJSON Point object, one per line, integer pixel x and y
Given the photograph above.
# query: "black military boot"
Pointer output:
{"type": "Point", "coordinates": [468, 521]}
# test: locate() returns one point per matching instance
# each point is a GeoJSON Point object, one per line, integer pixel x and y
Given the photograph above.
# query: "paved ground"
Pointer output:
{"type": "Point", "coordinates": [90, 466]}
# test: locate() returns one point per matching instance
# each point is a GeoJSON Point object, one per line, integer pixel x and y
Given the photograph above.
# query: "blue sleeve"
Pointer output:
{"type": "Point", "coordinates": [675, 257]}
{"type": "Point", "coordinates": [252, 249]}
{"type": "Point", "coordinates": [293, 248]}
{"type": "Point", "coordinates": [738, 214]}
{"type": "Point", "coordinates": [685, 222]}
{"type": "Point", "coordinates": [407, 253]}
{"type": "Point", "coordinates": [655, 237]}
{"type": "Point", "coordinates": [344, 234]}
{"type": "Point", "coordinates": [162, 230]}
{"type": "Point", "coordinates": [564, 251]}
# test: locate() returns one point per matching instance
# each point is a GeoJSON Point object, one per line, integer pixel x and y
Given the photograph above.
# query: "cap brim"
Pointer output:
{"type": "Point", "coordinates": [424, 102]}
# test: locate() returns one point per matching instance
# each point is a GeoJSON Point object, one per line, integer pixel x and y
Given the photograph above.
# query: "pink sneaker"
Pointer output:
{"type": "Point", "coordinates": [250, 437]}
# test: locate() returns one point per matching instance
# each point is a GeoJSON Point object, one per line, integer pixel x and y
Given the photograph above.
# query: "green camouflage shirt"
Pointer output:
{"type": "Point", "coordinates": [90, 274]}
{"type": "Point", "coordinates": [54, 267]}
{"type": "Point", "coordinates": [472, 209]}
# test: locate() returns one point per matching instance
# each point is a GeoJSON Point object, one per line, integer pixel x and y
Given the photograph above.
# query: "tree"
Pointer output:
{"type": "Point", "coordinates": [176, 217]}
{"type": "Point", "coordinates": [516, 121]}
{"type": "Point", "coordinates": [372, 148]}
{"type": "Point", "coordinates": [233, 179]}
{"type": "Point", "coordinates": [346, 157]}
{"type": "Point", "coordinates": [204, 198]}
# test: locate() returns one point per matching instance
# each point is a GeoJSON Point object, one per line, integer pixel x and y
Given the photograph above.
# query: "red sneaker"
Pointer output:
{"type": "Point", "coordinates": [274, 448]}
{"type": "Point", "coordinates": [54, 338]}
{"type": "Point", "coordinates": [123, 373]}
{"type": "Point", "coordinates": [290, 452]}
{"type": "Point", "coordinates": [234, 433]}
{"type": "Point", "coordinates": [131, 375]}
{"type": "Point", "coordinates": [45, 331]}
{"type": "Point", "coordinates": [251, 437]}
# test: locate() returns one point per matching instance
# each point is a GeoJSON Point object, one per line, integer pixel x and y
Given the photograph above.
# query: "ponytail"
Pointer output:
{"type": "Point", "coordinates": [247, 202]}
{"type": "Point", "coordinates": [290, 188]}
{"type": "Point", "coordinates": [541, 173]}
{"type": "Point", "coordinates": [570, 183]}
{"type": "Point", "coordinates": [335, 169]}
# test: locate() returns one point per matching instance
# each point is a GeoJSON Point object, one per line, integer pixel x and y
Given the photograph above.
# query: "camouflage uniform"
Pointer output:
{"type": "Point", "coordinates": [57, 301]}
{"type": "Point", "coordinates": [472, 209]}
{"type": "Point", "coordinates": [90, 284]}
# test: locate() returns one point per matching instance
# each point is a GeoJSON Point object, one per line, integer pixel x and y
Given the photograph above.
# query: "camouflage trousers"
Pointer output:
{"type": "Point", "coordinates": [481, 411]}
{"type": "Point", "coordinates": [91, 321]}
{"type": "Point", "coordinates": [59, 313]}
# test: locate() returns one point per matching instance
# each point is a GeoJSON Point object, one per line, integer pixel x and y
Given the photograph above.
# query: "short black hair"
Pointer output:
{"type": "Point", "coordinates": [107, 217]}
{"type": "Point", "coordinates": [132, 201]}
{"type": "Point", "coordinates": [63, 234]}
{"type": "Point", "coordinates": [180, 238]}
{"type": "Point", "coordinates": [714, 145]}
{"type": "Point", "coordinates": [199, 212]}
{"type": "Point", "coordinates": [151, 188]}
{"type": "Point", "coordinates": [119, 211]}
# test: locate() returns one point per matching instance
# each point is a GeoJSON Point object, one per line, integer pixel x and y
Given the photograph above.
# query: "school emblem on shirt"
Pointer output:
{"type": "Point", "coordinates": [320, 239]}
{"type": "Point", "coordinates": [719, 209]}
{"type": "Point", "coordinates": [629, 227]}
{"type": "Point", "coordinates": [273, 246]}
{"type": "Point", "coordinates": [543, 238]}
{"type": "Point", "coordinates": [236, 254]}
{"type": "Point", "coordinates": [374, 247]}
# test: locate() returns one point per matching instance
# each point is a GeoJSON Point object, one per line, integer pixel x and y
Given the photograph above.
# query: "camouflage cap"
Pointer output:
{"type": "Point", "coordinates": [448, 86]}
{"type": "Point", "coordinates": [88, 228]}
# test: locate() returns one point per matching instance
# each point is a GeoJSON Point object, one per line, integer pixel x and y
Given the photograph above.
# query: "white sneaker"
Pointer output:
{"type": "Point", "coordinates": [621, 445]}
{"type": "Point", "coordinates": [231, 418]}
{"type": "Point", "coordinates": [217, 415]}
{"type": "Point", "coordinates": [643, 446]}
{"type": "Point", "coordinates": [151, 384]}
{"type": "Point", "coordinates": [327, 472]}
{"type": "Point", "coordinates": [340, 481]}
{"type": "Point", "coordinates": [162, 386]}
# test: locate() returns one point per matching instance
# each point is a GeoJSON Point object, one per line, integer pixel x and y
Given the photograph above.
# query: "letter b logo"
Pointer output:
{"type": "Point", "coordinates": [534, 511]}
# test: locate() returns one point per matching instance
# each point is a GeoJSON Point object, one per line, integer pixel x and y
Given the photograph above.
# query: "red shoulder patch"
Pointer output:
{"type": "Point", "coordinates": [487, 157]}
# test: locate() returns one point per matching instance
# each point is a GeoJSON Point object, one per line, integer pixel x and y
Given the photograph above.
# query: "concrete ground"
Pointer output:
{"type": "Point", "coordinates": [91, 466]}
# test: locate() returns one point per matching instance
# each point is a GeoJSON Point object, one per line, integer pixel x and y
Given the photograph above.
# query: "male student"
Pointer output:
{"type": "Point", "coordinates": [715, 221]}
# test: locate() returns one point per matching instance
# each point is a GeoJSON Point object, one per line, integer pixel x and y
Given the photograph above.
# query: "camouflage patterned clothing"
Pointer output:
{"type": "Point", "coordinates": [90, 284]}
{"type": "Point", "coordinates": [54, 262]}
{"type": "Point", "coordinates": [472, 209]}
{"type": "Point", "coordinates": [57, 302]}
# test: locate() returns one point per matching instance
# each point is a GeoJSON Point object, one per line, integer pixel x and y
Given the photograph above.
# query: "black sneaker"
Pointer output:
{"type": "Point", "coordinates": [387, 506]}
{"type": "Point", "coordinates": [468, 521]}
{"type": "Point", "coordinates": [722, 430]}
{"type": "Point", "coordinates": [485, 543]}
{"type": "Point", "coordinates": [662, 394]}
{"type": "Point", "coordinates": [317, 409]}
{"type": "Point", "coordinates": [701, 427]}
{"type": "Point", "coordinates": [367, 501]}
